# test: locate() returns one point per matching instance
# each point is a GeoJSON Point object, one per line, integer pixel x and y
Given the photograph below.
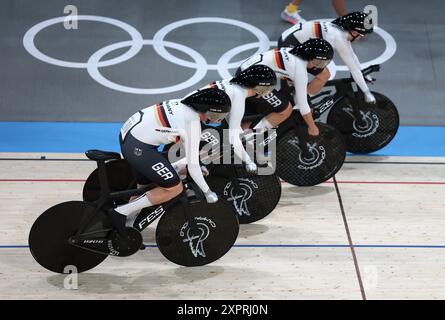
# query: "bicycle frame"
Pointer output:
{"type": "Point", "coordinates": [293, 122]}
{"type": "Point", "coordinates": [344, 89]}
{"type": "Point", "coordinates": [149, 216]}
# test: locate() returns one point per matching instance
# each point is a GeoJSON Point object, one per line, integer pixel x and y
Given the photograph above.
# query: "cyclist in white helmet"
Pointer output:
{"type": "Point", "coordinates": [166, 123]}
{"type": "Point", "coordinates": [291, 66]}
{"type": "Point", "coordinates": [340, 33]}
{"type": "Point", "coordinates": [255, 81]}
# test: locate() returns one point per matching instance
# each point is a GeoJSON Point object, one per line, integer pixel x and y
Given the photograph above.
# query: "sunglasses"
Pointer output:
{"type": "Point", "coordinates": [215, 116]}
{"type": "Point", "coordinates": [320, 64]}
{"type": "Point", "coordinates": [263, 90]}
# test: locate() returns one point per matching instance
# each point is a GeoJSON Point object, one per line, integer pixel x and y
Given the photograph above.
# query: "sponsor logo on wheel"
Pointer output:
{"type": "Point", "coordinates": [365, 127]}
{"type": "Point", "coordinates": [195, 237]}
{"type": "Point", "coordinates": [313, 158]}
{"type": "Point", "coordinates": [239, 196]}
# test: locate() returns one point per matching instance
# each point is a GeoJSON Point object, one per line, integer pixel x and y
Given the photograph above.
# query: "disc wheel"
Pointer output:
{"type": "Point", "coordinates": [376, 127]}
{"type": "Point", "coordinates": [215, 233]}
{"type": "Point", "coordinates": [253, 197]}
{"type": "Point", "coordinates": [324, 156]}
{"type": "Point", "coordinates": [120, 177]}
{"type": "Point", "coordinates": [50, 233]}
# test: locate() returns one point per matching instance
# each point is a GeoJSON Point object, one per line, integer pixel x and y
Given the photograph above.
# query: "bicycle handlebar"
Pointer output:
{"type": "Point", "coordinates": [371, 69]}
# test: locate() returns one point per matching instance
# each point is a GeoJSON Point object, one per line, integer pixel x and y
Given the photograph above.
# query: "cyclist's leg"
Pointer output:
{"type": "Point", "coordinates": [274, 109]}
{"type": "Point", "coordinates": [274, 118]}
{"type": "Point", "coordinates": [278, 107]}
{"type": "Point", "coordinates": [321, 77]}
{"type": "Point", "coordinates": [150, 166]}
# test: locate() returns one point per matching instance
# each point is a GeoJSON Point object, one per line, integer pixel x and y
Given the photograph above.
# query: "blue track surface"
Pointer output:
{"type": "Point", "coordinates": [78, 137]}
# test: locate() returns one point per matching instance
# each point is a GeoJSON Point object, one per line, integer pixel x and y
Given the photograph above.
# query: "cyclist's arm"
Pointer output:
{"type": "Point", "coordinates": [191, 138]}
{"type": "Point", "coordinates": [235, 117]}
{"type": "Point", "coordinates": [351, 61]}
{"type": "Point", "coordinates": [300, 81]}
{"type": "Point", "coordinates": [318, 82]}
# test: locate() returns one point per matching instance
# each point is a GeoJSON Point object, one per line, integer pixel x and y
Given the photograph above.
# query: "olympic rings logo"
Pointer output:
{"type": "Point", "coordinates": [160, 45]}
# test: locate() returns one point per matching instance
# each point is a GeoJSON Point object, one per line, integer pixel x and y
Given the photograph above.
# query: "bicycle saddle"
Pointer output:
{"type": "Point", "coordinates": [98, 155]}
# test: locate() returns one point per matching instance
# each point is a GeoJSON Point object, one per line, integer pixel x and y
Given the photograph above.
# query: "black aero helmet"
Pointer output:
{"type": "Point", "coordinates": [214, 102]}
{"type": "Point", "coordinates": [262, 79]}
{"type": "Point", "coordinates": [256, 75]}
{"type": "Point", "coordinates": [355, 21]}
{"type": "Point", "coordinates": [314, 49]}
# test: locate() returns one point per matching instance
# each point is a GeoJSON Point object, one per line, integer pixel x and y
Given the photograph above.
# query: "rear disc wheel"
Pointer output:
{"type": "Point", "coordinates": [120, 177]}
{"type": "Point", "coordinates": [50, 234]}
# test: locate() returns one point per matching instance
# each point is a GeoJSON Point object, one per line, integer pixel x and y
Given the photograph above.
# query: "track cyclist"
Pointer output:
{"type": "Point", "coordinates": [340, 33]}
{"type": "Point", "coordinates": [255, 81]}
{"type": "Point", "coordinates": [291, 66]}
{"type": "Point", "coordinates": [166, 123]}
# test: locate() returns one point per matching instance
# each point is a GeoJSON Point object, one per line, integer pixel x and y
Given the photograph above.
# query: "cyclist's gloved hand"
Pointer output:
{"type": "Point", "coordinates": [251, 168]}
{"type": "Point", "coordinates": [369, 79]}
{"type": "Point", "coordinates": [369, 97]}
{"type": "Point", "coordinates": [313, 131]}
{"type": "Point", "coordinates": [211, 196]}
{"type": "Point", "coordinates": [205, 171]}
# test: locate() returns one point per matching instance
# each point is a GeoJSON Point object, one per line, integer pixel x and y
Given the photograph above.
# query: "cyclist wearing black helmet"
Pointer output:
{"type": "Point", "coordinates": [291, 66]}
{"type": "Point", "coordinates": [165, 123]}
{"type": "Point", "coordinates": [256, 80]}
{"type": "Point", "coordinates": [339, 33]}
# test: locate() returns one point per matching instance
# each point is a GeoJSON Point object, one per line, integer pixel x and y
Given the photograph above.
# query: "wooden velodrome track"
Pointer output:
{"type": "Point", "coordinates": [377, 233]}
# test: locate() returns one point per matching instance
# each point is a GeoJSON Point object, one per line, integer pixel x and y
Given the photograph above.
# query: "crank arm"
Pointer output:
{"type": "Point", "coordinates": [93, 244]}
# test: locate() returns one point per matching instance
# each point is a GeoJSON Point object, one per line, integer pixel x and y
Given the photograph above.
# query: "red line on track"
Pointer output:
{"type": "Point", "coordinates": [387, 182]}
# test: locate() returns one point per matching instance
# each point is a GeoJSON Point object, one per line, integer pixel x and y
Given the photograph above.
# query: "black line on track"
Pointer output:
{"type": "Point", "coordinates": [351, 245]}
